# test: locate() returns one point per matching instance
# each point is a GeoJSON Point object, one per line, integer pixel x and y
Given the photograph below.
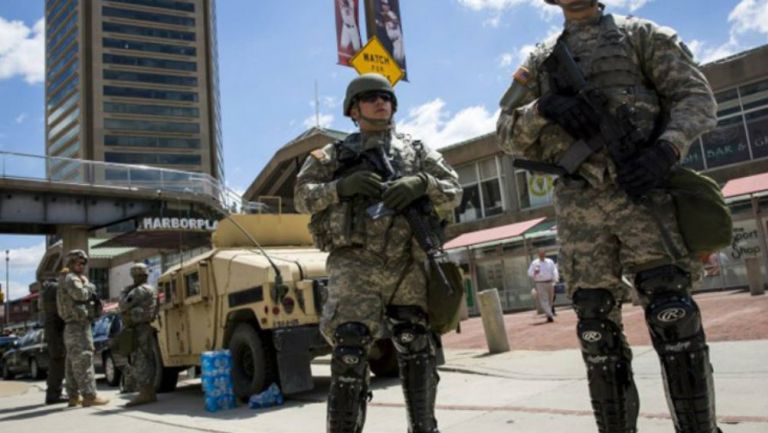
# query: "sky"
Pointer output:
{"type": "Point", "coordinates": [272, 53]}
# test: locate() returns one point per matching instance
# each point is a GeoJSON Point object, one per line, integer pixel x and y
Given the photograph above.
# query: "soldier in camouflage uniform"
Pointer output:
{"type": "Point", "coordinates": [614, 217]}
{"type": "Point", "coordinates": [377, 273]}
{"type": "Point", "coordinates": [138, 308]}
{"type": "Point", "coordinates": [54, 337]}
{"type": "Point", "coordinates": [75, 303]}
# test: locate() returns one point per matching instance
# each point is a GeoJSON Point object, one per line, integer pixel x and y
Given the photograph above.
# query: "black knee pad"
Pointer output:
{"type": "Point", "coordinates": [597, 334]}
{"type": "Point", "coordinates": [668, 278]}
{"type": "Point", "coordinates": [409, 330]}
{"type": "Point", "coordinates": [350, 356]}
{"type": "Point", "coordinates": [673, 318]}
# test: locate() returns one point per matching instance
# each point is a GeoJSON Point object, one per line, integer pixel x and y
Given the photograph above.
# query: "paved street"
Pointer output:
{"type": "Point", "coordinates": [521, 391]}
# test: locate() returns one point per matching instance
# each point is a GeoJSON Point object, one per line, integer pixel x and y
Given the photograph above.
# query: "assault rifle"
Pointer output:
{"type": "Point", "coordinates": [419, 214]}
{"type": "Point", "coordinates": [617, 133]}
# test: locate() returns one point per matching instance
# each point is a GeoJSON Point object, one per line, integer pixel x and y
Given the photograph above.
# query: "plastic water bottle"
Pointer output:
{"type": "Point", "coordinates": [267, 398]}
{"type": "Point", "coordinates": [211, 404]}
{"type": "Point", "coordinates": [207, 363]}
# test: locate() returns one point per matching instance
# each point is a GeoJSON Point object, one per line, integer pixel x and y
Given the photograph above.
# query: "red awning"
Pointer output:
{"type": "Point", "coordinates": [490, 235]}
{"type": "Point", "coordinates": [746, 185]}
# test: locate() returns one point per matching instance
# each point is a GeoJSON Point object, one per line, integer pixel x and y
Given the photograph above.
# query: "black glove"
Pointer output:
{"type": "Point", "coordinates": [364, 182]}
{"type": "Point", "coordinates": [572, 113]}
{"type": "Point", "coordinates": [648, 169]}
{"type": "Point", "coordinates": [404, 191]}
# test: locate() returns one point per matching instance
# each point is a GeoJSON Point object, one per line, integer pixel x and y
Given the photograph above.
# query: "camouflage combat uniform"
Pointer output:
{"type": "Point", "coordinates": [138, 306]}
{"type": "Point", "coordinates": [603, 232]}
{"type": "Point", "coordinates": [54, 337]}
{"type": "Point", "coordinates": [377, 276]}
{"type": "Point", "coordinates": [73, 299]}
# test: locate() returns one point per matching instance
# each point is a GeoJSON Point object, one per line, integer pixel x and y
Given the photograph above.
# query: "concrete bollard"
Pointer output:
{"type": "Point", "coordinates": [493, 321]}
{"type": "Point", "coordinates": [755, 276]}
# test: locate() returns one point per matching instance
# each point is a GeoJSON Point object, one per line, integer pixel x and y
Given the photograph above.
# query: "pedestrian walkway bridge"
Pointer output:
{"type": "Point", "coordinates": [39, 194]}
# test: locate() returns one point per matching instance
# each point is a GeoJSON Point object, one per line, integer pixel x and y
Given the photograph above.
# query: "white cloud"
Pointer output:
{"type": "Point", "coordinates": [325, 121]}
{"type": "Point", "coordinates": [22, 50]}
{"type": "Point", "coordinates": [750, 15]}
{"type": "Point", "coordinates": [435, 125]}
{"type": "Point", "coordinates": [20, 118]}
{"type": "Point", "coordinates": [631, 5]}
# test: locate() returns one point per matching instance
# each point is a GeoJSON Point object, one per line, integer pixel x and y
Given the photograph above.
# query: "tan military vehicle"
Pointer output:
{"type": "Point", "coordinates": [262, 304]}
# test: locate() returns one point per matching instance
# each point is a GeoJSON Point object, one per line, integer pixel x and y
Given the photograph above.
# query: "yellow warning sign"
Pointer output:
{"type": "Point", "coordinates": [375, 58]}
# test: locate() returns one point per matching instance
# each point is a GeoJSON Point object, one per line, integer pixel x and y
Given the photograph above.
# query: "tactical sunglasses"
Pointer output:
{"type": "Point", "coordinates": [371, 97]}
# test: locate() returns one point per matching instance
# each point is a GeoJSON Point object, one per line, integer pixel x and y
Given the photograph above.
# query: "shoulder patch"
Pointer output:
{"type": "Point", "coordinates": [319, 155]}
{"type": "Point", "coordinates": [522, 75]}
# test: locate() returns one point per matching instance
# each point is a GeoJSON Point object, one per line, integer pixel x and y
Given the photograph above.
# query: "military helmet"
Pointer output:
{"type": "Point", "coordinates": [370, 82]}
{"type": "Point", "coordinates": [76, 255]}
{"type": "Point", "coordinates": [552, 2]}
{"type": "Point", "coordinates": [138, 269]}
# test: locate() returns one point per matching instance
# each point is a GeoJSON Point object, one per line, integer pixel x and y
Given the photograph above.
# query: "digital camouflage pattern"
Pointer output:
{"type": "Point", "coordinates": [630, 61]}
{"type": "Point", "coordinates": [372, 263]}
{"type": "Point", "coordinates": [138, 307]}
{"type": "Point", "coordinates": [73, 300]}
{"type": "Point", "coordinates": [78, 340]}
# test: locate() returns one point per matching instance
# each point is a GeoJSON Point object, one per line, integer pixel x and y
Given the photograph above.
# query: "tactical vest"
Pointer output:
{"type": "Point", "coordinates": [132, 298]}
{"type": "Point", "coordinates": [614, 71]}
{"type": "Point", "coordinates": [347, 223]}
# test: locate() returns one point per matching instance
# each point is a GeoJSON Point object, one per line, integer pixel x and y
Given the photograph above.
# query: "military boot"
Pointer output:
{"type": "Point", "coordinates": [74, 400]}
{"type": "Point", "coordinates": [55, 397]}
{"type": "Point", "coordinates": [94, 400]}
{"type": "Point", "coordinates": [146, 395]}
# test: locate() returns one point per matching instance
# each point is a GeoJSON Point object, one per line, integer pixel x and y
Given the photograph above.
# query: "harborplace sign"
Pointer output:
{"type": "Point", "coordinates": [166, 223]}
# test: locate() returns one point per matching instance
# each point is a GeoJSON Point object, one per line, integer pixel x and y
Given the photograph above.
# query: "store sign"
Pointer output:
{"type": "Point", "coordinates": [746, 240]}
{"type": "Point", "coordinates": [540, 188]}
{"type": "Point", "coordinates": [166, 223]}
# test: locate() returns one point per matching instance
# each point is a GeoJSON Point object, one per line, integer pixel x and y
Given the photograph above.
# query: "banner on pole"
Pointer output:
{"type": "Point", "coordinates": [347, 29]}
{"type": "Point", "coordinates": [389, 29]}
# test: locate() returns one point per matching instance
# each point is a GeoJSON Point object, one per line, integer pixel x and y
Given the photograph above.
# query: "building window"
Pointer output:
{"type": "Point", "coordinates": [170, 143]}
{"type": "Point", "coordinates": [62, 31]}
{"type": "Point", "coordinates": [152, 158]}
{"type": "Point", "coordinates": [694, 159]}
{"type": "Point", "coordinates": [173, 80]}
{"type": "Point", "coordinates": [146, 31]}
{"type": "Point", "coordinates": [482, 187]}
{"type": "Point", "coordinates": [149, 47]}
{"type": "Point", "coordinates": [59, 65]}
{"type": "Point", "coordinates": [53, 55]}
{"type": "Point", "coordinates": [57, 97]}
{"type": "Point", "coordinates": [132, 92]}
{"type": "Point", "coordinates": [534, 189]}
{"type": "Point", "coordinates": [144, 125]}
{"type": "Point", "coordinates": [727, 144]}
{"type": "Point", "coordinates": [147, 16]}
{"type": "Point", "coordinates": [165, 4]}
{"type": "Point", "coordinates": [65, 123]}
{"type": "Point", "coordinates": [757, 128]}
{"type": "Point", "coordinates": [149, 62]}
{"type": "Point", "coordinates": [154, 110]}
{"type": "Point", "coordinates": [66, 106]}
{"type": "Point", "coordinates": [64, 139]}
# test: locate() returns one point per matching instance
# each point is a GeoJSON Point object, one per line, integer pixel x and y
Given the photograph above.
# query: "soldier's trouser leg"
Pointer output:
{"type": "Point", "coordinates": [675, 325]}
{"type": "Point", "coordinates": [609, 368]}
{"type": "Point", "coordinates": [348, 395]}
{"type": "Point", "coordinates": [79, 343]}
{"type": "Point", "coordinates": [418, 367]}
{"type": "Point", "coordinates": [143, 358]}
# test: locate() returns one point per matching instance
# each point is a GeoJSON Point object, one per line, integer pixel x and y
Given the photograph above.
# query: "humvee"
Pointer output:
{"type": "Point", "coordinates": [262, 303]}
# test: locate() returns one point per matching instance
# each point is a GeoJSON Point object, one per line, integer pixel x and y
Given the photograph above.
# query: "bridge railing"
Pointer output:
{"type": "Point", "coordinates": [122, 176]}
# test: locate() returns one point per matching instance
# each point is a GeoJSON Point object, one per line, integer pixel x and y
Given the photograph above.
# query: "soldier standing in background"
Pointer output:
{"type": "Point", "coordinates": [138, 308]}
{"type": "Point", "coordinates": [376, 269]}
{"type": "Point", "coordinates": [54, 338]}
{"type": "Point", "coordinates": [75, 301]}
{"type": "Point", "coordinates": [614, 215]}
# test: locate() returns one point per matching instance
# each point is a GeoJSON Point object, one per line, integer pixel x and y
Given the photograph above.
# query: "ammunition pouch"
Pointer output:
{"type": "Point", "coordinates": [443, 308]}
{"type": "Point", "coordinates": [319, 227]}
{"type": "Point", "coordinates": [703, 217]}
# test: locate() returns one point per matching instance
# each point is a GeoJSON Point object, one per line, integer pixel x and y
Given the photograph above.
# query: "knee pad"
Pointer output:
{"type": "Point", "coordinates": [674, 320]}
{"type": "Point", "coordinates": [409, 330]}
{"type": "Point", "coordinates": [597, 334]}
{"type": "Point", "coordinates": [350, 355]}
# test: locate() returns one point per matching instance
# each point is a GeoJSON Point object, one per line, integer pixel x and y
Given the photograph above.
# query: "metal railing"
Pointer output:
{"type": "Point", "coordinates": [129, 177]}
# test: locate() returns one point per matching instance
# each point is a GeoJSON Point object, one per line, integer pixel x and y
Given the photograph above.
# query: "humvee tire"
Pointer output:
{"type": "Point", "coordinates": [253, 364]}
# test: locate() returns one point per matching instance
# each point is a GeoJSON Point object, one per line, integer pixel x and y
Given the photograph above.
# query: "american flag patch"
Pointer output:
{"type": "Point", "coordinates": [522, 75]}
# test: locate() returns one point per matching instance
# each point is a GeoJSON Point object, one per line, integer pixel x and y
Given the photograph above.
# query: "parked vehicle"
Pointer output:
{"type": "Point", "coordinates": [29, 356]}
{"type": "Point", "coordinates": [104, 360]}
{"type": "Point", "coordinates": [6, 343]}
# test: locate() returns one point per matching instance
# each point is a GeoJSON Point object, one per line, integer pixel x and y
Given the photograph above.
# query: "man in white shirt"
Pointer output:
{"type": "Point", "coordinates": [544, 273]}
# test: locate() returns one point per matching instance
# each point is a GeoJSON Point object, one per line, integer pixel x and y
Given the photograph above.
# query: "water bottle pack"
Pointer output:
{"type": "Point", "coordinates": [267, 398]}
{"type": "Point", "coordinates": [216, 380]}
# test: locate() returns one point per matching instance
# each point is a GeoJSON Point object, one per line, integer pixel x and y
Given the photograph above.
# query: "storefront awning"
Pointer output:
{"type": "Point", "coordinates": [495, 234]}
{"type": "Point", "coordinates": [746, 185]}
